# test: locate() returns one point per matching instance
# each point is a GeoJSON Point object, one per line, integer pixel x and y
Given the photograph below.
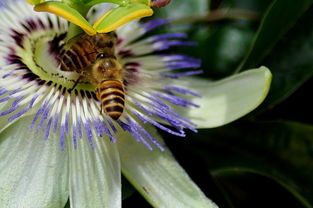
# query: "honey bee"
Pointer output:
{"type": "Point", "coordinates": [93, 57]}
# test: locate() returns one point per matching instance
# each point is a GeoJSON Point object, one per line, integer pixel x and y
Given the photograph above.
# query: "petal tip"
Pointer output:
{"type": "Point", "coordinates": [267, 83]}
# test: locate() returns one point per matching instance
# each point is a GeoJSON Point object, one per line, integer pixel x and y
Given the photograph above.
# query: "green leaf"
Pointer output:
{"type": "Point", "coordinates": [243, 188]}
{"type": "Point", "coordinates": [146, 2]}
{"type": "Point", "coordinates": [255, 5]}
{"type": "Point", "coordinates": [33, 171]}
{"type": "Point", "coordinates": [291, 61]}
{"type": "Point", "coordinates": [227, 44]}
{"type": "Point", "coordinates": [181, 9]}
{"type": "Point", "coordinates": [278, 150]}
{"type": "Point", "coordinates": [278, 19]}
{"type": "Point", "coordinates": [121, 15]}
{"type": "Point", "coordinates": [119, 2]}
{"type": "Point", "coordinates": [226, 100]}
{"type": "Point", "coordinates": [34, 2]}
{"type": "Point", "coordinates": [157, 175]}
{"type": "Point", "coordinates": [63, 10]}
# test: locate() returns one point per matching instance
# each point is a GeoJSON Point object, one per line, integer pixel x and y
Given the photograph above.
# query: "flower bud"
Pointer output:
{"type": "Point", "coordinates": [160, 3]}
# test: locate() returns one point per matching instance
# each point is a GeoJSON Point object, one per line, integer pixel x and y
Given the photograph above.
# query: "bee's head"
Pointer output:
{"type": "Point", "coordinates": [106, 67]}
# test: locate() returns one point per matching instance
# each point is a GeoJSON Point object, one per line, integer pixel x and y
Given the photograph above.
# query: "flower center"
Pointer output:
{"type": "Point", "coordinates": [39, 51]}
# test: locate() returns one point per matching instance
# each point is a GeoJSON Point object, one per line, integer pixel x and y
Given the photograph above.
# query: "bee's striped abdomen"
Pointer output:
{"type": "Point", "coordinates": [111, 95]}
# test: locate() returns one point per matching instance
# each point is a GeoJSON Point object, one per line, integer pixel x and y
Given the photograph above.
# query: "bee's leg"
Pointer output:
{"type": "Point", "coordinates": [75, 84]}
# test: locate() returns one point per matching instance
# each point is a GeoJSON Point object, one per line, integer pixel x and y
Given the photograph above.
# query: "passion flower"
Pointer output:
{"type": "Point", "coordinates": [55, 142]}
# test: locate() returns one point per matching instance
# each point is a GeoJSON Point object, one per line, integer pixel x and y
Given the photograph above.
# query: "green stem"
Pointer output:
{"type": "Point", "coordinates": [119, 2]}
{"type": "Point", "coordinates": [74, 30]}
{"type": "Point", "coordinates": [220, 14]}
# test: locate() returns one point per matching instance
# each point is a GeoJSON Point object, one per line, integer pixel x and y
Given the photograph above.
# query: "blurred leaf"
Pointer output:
{"type": "Point", "coordinates": [34, 2]}
{"type": "Point", "coordinates": [278, 19]}
{"type": "Point", "coordinates": [291, 61]}
{"type": "Point", "coordinates": [223, 44]}
{"type": "Point", "coordinates": [222, 49]}
{"type": "Point", "coordinates": [279, 150]}
{"type": "Point", "coordinates": [229, 40]}
{"type": "Point", "coordinates": [296, 108]}
{"type": "Point", "coordinates": [243, 189]}
{"type": "Point", "coordinates": [178, 9]}
{"type": "Point", "coordinates": [255, 5]}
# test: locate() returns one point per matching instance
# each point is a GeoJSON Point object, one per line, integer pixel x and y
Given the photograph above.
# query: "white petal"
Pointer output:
{"type": "Point", "coordinates": [95, 175]}
{"type": "Point", "coordinates": [33, 171]}
{"type": "Point", "coordinates": [226, 100]}
{"type": "Point", "coordinates": [158, 176]}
